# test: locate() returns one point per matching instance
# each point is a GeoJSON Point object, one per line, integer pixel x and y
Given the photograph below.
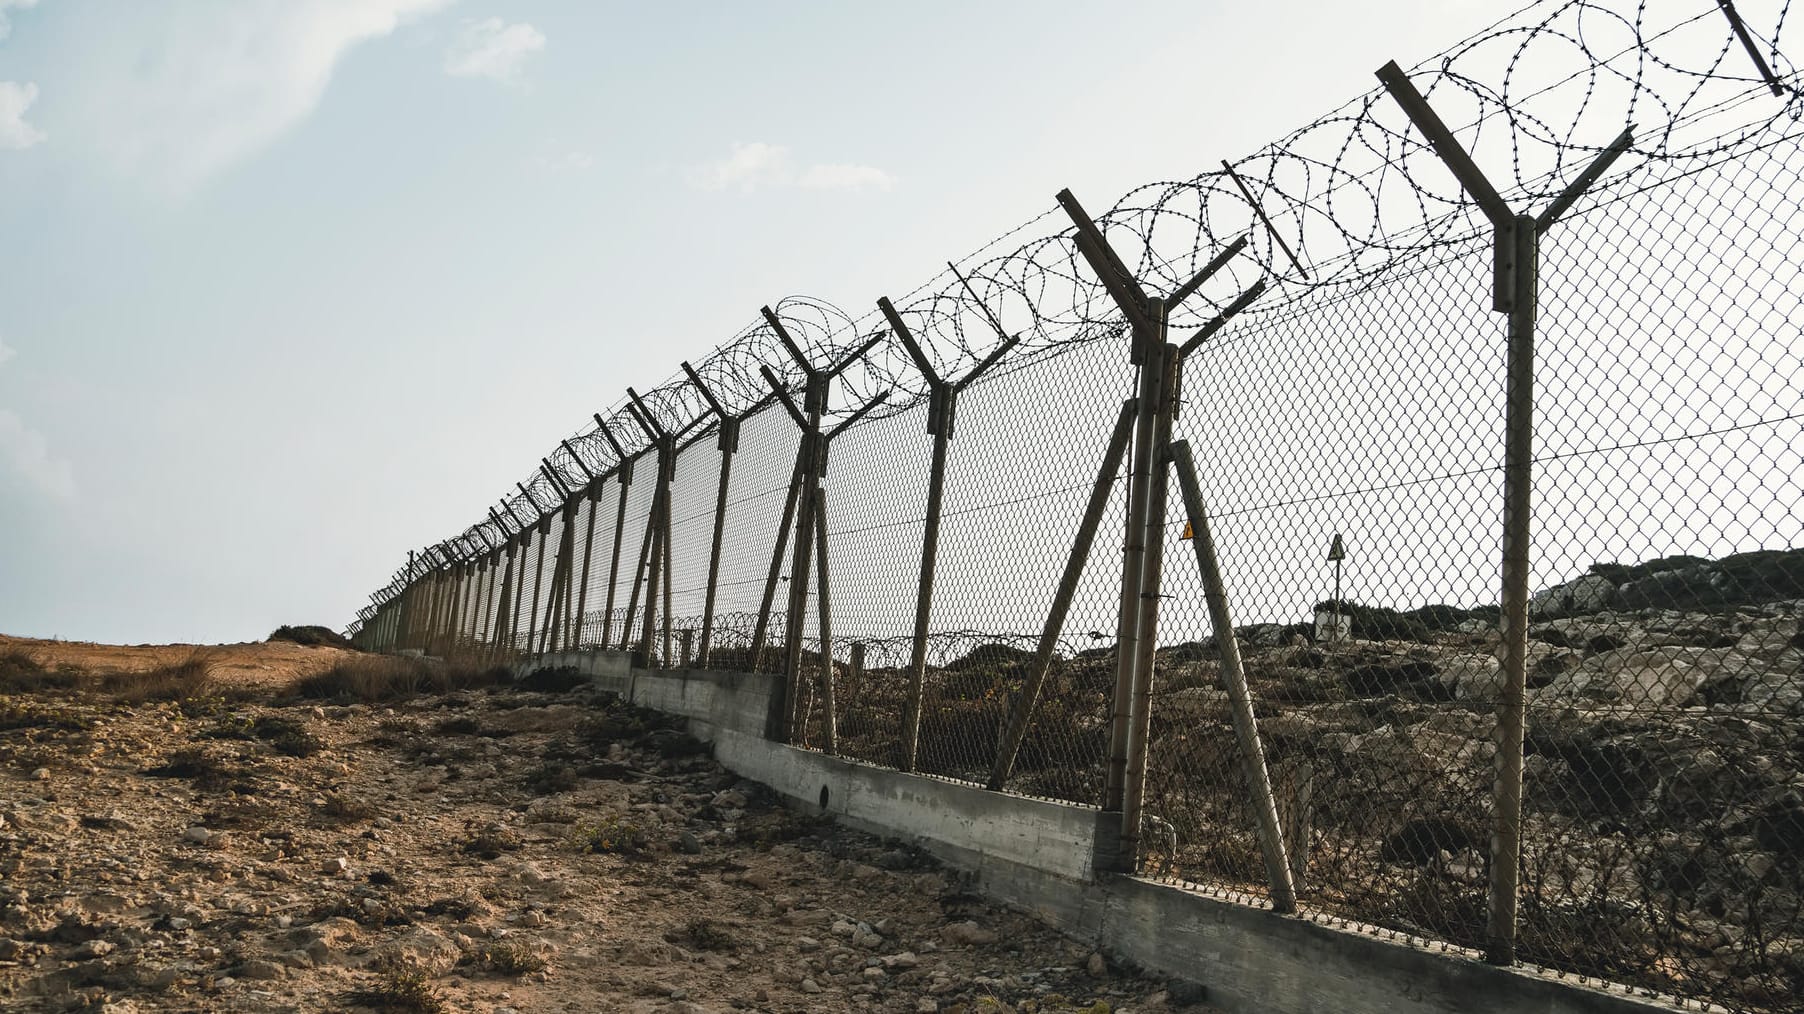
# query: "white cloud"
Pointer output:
{"type": "Point", "coordinates": [751, 166]}
{"type": "Point", "coordinates": [845, 177]}
{"type": "Point", "coordinates": [493, 49]}
{"type": "Point", "coordinates": [25, 451]}
{"type": "Point", "coordinates": [6, 25]}
{"type": "Point", "coordinates": [15, 98]}
{"type": "Point", "coordinates": [181, 91]}
{"type": "Point", "coordinates": [567, 161]}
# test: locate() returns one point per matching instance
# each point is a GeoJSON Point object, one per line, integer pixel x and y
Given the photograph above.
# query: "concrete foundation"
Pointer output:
{"type": "Point", "coordinates": [1042, 856]}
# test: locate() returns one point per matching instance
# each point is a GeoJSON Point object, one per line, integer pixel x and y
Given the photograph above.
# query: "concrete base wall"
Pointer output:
{"type": "Point", "coordinates": [1043, 857]}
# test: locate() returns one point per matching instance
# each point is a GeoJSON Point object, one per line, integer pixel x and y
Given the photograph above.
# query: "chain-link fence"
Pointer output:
{"type": "Point", "coordinates": [1496, 485]}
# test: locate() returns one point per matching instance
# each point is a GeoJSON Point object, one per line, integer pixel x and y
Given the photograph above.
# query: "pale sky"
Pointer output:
{"type": "Point", "coordinates": [289, 287]}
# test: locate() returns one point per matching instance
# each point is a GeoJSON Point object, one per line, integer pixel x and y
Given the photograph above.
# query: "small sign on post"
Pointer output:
{"type": "Point", "coordinates": [1332, 622]}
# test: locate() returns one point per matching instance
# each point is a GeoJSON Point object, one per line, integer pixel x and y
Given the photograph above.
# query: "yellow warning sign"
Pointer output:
{"type": "Point", "coordinates": [1189, 532]}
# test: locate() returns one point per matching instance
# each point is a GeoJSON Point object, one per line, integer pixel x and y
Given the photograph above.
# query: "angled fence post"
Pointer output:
{"type": "Point", "coordinates": [1234, 680]}
{"type": "Point", "coordinates": [1516, 251]}
{"type": "Point", "coordinates": [1158, 363]}
{"type": "Point", "coordinates": [1022, 712]}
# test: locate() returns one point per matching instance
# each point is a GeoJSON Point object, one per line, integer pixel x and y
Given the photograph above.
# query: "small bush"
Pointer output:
{"type": "Point", "coordinates": [20, 673]}
{"type": "Point", "coordinates": [559, 680]}
{"type": "Point", "coordinates": [704, 934]}
{"type": "Point", "coordinates": [311, 636]}
{"type": "Point", "coordinates": [198, 766]}
{"type": "Point", "coordinates": [513, 958]}
{"type": "Point", "coordinates": [489, 842]}
{"type": "Point", "coordinates": [613, 837]}
{"type": "Point", "coordinates": [402, 989]}
{"type": "Point", "coordinates": [342, 809]}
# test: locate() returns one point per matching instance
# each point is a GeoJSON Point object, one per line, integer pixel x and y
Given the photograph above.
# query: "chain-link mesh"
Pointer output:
{"type": "Point", "coordinates": [1345, 405]}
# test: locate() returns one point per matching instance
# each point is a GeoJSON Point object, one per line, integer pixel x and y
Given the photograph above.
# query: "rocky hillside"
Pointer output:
{"type": "Point", "coordinates": [1664, 820]}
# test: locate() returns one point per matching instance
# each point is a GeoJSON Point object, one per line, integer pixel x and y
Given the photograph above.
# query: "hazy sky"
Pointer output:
{"type": "Point", "coordinates": [289, 287]}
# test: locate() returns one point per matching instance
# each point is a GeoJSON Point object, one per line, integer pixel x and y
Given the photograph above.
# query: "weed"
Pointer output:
{"type": "Point", "coordinates": [21, 714]}
{"type": "Point", "coordinates": [285, 736]}
{"type": "Point", "coordinates": [513, 958]}
{"type": "Point", "coordinates": [489, 842]}
{"type": "Point", "coordinates": [704, 934]}
{"type": "Point", "coordinates": [402, 989]}
{"type": "Point", "coordinates": [198, 766]}
{"type": "Point", "coordinates": [550, 778]}
{"type": "Point", "coordinates": [455, 908]}
{"type": "Point", "coordinates": [613, 837]}
{"type": "Point", "coordinates": [462, 725]}
{"type": "Point", "coordinates": [342, 809]}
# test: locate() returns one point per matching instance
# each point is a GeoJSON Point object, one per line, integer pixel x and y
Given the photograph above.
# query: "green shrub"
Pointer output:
{"type": "Point", "coordinates": [312, 636]}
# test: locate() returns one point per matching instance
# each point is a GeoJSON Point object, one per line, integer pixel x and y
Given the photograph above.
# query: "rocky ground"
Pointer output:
{"type": "Point", "coordinates": [169, 841]}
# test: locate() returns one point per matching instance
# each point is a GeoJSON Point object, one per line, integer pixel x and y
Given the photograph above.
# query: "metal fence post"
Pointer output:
{"type": "Point", "coordinates": [1515, 285]}
{"type": "Point", "coordinates": [829, 710]}
{"type": "Point", "coordinates": [1152, 582]}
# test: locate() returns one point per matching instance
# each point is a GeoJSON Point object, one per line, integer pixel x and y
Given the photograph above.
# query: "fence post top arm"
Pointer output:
{"type": "Point", "coordinates": [642, 415]}
{"type": "Point", "coordinates": [1109, 269]}
{"type": "Point", "coordinates": [853, 356]}
{"type": "Point", "coordinates": [855, 416]}
{"type": "Point", "coordinates": [897, 325]}
{"type": "Point", "coordinates": [789, 403]}
{"type": "Point", "coordinates": [988, 361]}
{"type": "Point", "coordinates": [608, 435]}
{"type": "Point", "coordinates": [587, 474]}
{"type": "Point", "coordinates": [707, 395]}
{"type": "Point", "coordinates": [1215, 264]}
{"type": "Point", "coordinates": [795, 351]}
{"type": "Point", "coordinates": [551, 473]}
{"type": "Point", "coordinates": [1578, 186]}
{"type": "Point", "coordinates": [1416, 107]}
{"type": "Point", "coordinates": [1240, 303]}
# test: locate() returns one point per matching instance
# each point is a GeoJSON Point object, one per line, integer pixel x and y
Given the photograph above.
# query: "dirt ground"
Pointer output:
{"type": "Point", "coordinates": [225, 844]}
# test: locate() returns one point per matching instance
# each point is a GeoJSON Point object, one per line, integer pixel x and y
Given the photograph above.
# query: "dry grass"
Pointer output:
{"type": "Point", "coordinates": [21, 673]}
{"type": "Point", "coordinates": [187, 680]}
{"type": "Point", "coordinates": [389, 678]}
